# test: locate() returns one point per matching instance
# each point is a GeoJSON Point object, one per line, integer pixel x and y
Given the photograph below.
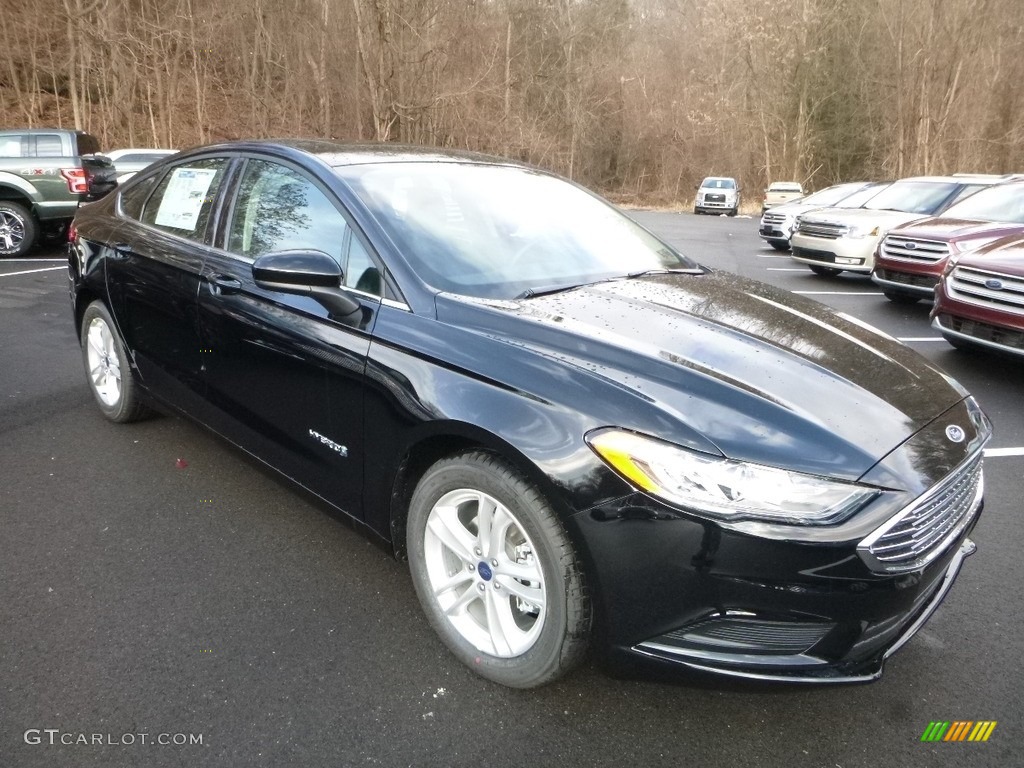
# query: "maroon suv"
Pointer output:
{"type": "Point", "coordinates": [910, 259]}
{"type": "Point", "coordinates": [980, 299]}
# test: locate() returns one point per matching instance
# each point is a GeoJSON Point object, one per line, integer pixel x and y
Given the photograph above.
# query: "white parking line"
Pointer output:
{"type": "Point", "coordinates": [906, 339]}
{"type": "Point", "coordinates": [33, 261]}
{"type": "Point", "coordinates": [997, 452]}
{"type": "Point", "coordinates": [785, 269]}
{"type": "Point", "coordinates": [30, 271]}
{"type": "Point", "coordinates": [838, 293]}
{"type": "Point", "coordinates": [773, 255]}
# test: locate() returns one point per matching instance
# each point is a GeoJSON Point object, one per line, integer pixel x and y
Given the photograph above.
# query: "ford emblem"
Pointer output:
{"type": "Point", "coordinates": [955, 433]}
{"type": "Point", "coordinates": [910, 246]}
{"type": "Point", "coordinates": [995, 285]}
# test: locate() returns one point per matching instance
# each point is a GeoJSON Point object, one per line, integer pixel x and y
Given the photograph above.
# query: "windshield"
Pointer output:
{"type": "Point", "coordinates": [718, 184]}
{"type": "Point", "coordinates": [923, 197]}
{"type": "Point", "coordinates": [861, 196]}
{"type": "Point", "coordinates": [832, 195]}
{"type": "Point", "coordinates": [1004, 202]}
{"type": "Point", "coordinates": [499, 232]}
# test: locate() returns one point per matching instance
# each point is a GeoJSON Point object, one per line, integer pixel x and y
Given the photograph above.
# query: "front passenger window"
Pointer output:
{"type": "Point", "coordinates": [279, 209]}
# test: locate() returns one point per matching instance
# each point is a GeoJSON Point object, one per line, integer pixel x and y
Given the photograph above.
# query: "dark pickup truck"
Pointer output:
{"type": "Point", "coordinates": [44, 174]}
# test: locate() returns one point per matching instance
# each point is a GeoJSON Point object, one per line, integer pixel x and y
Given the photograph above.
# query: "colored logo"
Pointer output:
{"type": "Point", "coordinates": [959, 730]}
{"type": "Point", "coordinates": [995, 285]}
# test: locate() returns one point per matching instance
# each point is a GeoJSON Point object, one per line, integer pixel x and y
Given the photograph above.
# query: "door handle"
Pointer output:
{"type": "Point", "coordinates": [224, 284]}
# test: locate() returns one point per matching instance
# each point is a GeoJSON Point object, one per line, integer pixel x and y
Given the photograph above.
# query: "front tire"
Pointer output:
{"type": "Point", "coordinates": [496, 573]}
{"type": "Point", "coordinates": [18, 229]}
{"type": "Point", "coordinates": [779, 245]}
{"type": "Point", "coordinates": [107, 369]}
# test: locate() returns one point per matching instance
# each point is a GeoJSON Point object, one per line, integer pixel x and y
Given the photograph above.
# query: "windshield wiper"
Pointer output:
{"type": "Point", "coordinates": [546, 290]}
{"type": "Point", "coordinates": [646, 272]}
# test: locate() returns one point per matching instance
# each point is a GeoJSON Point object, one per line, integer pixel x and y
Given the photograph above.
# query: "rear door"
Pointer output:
{"type": "Point", "coordinates": [284, 378]}
{"type": "Point", "coordinates": [153, 265]}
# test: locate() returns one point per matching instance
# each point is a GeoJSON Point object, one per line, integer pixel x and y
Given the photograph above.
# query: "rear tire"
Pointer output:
{"type": "Point", "coordinates": [18, 229]}
{"type": "Point", "coordinates": [496, 573]}
{"type": "Point", "coordinates": [821, 271]}
{"type": "Point", "coordinates": [106, 367]}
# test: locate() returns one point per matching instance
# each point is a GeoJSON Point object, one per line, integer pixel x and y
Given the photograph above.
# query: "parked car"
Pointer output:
{"type": "Point", "coordinates": [717, 194]}
{"type": "Point", "coordinates": [128, 162]}
{"type": "Point", "coordinates": [777, 224]}
{"type": "Point", "coordinates": [780, 192]}
{"type": "Point", "coordinates": [979, 301]}
{"type": "Point", "coordinates": [911, 258]}
{"type": "Point", "coordinates": [44, 174]}
{"type": "Point", "coordinates": [570, 430]}
{"type": "Point", "coordinates": [832, 240]}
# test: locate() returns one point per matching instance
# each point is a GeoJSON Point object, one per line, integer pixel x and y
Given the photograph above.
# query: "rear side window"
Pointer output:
{"type": "Point", "coordinates": [134, 198]}
{"type": "Point", "coordinates": [49, 145]}
{"type": "Point", "coordinates": [10, 146]}
{"type": "Point", "coordinates": [182, 202]}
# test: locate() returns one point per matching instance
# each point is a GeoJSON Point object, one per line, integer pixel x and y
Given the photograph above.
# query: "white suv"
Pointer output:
{"type": "Point", "coordinates": [717, 194]}
{"type": "Point", "coordinates": [832, 240]}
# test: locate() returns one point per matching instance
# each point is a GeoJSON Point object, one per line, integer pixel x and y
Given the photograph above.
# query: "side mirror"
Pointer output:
{"type": "Point", "coordinates": [306, 273]}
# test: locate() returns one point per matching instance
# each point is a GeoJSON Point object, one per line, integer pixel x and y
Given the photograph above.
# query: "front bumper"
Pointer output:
{"type": "Point", "coordinates": [855, 254]}
{"type": "Point", "coordinates": [814, 604]}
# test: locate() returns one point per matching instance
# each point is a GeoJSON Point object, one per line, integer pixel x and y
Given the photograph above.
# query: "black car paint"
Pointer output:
{"type": "Point", "coordinates": [708, 361]}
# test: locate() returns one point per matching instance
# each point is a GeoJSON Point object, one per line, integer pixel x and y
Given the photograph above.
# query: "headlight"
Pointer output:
{"type": "Point", "coordinates": [862, 231]}
{"type": "Point", "coordinates": [725, 489]}
{"type": "Point", "coordinates": [972, 244]}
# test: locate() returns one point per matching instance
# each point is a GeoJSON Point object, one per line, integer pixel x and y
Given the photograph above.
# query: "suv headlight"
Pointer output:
{"type": "Point", "coordinates": [862, 230]}
{"type": "Point", "coordinates": [724, 489]}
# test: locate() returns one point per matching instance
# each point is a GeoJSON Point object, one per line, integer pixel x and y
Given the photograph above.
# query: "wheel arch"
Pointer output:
{"type": "Point", "coordinates": [440, 440]}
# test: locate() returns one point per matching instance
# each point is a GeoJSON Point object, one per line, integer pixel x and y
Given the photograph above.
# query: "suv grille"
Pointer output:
{"type": "Point", "coordinates": [821, 229]}
{"type": "Point", "coordinates": [921, 533]}
{"type": "Point", "coordinates": [987, 289]}
{"type": "Point", "coordinates": [907, 278]}
{"type": "Point", "coordinates": [714, 198]}
{"type": "Point", "coordinates": [912, 249]}
{"type": "Point", "coordinates": [1008, 338]}
{"type": "Point", "coordinates": [773, 218]}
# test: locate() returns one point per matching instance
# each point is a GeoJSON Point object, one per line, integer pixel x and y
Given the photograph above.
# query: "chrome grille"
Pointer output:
{"type": "Point", "coordinates": [773, 218]}
{"type": "Point", "coordinates": [922, 532]}
{"type": "Point", "coordinates": [987, 289]}
{"type": "Point", "coordinates": [821, 229]}
{"type": "Point", "coordinates": [913, 249]}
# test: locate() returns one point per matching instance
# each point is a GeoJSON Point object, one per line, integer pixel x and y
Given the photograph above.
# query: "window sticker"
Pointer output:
{"type": "Point", "coordinates": [184, 197]}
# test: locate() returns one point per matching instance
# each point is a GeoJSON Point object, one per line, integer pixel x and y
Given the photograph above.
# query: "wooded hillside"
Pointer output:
{"type": "Point", "coordinates": [636, 97]}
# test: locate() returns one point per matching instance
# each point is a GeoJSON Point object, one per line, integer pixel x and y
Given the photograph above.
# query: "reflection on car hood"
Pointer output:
{"type": "Point", "coordinates": [762, 375]}
{"type": "Point", "coordinates": [1005, 255]}
{"type": "Point", "coordinates": [939, 228]}
{"type": "Point", "coordinates": [864, 216]}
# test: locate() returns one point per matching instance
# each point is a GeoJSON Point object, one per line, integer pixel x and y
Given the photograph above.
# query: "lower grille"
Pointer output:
{"type": "Point", "coordinates": [994, 334]}
{"type": "Point", "coordinates": [906, 278]}
{"type": "Point", "coordinates": [813, 255]}
{"type": "Point", "coordinates": [742, 635]}
{"type": "Point", "coordinates": [922, 532]}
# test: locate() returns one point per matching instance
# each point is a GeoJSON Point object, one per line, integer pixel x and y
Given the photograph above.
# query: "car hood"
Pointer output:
{"type": "Point", "coordinates": [886, 220]}
{"type": "Point", "coordinates": [795, 208]}
{"type": "Point", "coordinates": [939, 228]}
{"type": "Point", "coordinates": [1005, 255]}
{"type": "Point", "coordinates": [718, 362]}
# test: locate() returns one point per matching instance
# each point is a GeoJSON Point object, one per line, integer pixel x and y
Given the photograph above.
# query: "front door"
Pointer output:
{"type": "Point", "coordinates": [286, 380]}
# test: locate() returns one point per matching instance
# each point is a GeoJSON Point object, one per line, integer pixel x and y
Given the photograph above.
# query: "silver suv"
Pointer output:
{"type": "Point", "coordinates": [717, 194]}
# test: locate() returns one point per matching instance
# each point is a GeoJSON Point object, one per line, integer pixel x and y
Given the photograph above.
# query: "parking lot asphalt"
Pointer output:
{"type": "Point", "coordinates": [153, 580]}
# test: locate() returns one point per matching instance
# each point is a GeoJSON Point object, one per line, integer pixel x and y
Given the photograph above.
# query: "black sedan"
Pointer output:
{"type": "Point", "coordinates": [572, 432]}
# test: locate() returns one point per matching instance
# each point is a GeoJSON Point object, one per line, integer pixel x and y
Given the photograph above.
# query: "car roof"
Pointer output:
{"type": "Point", "coordinates": [959, 178]}
{"type": "Point", "coordinates": [337, 153]}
